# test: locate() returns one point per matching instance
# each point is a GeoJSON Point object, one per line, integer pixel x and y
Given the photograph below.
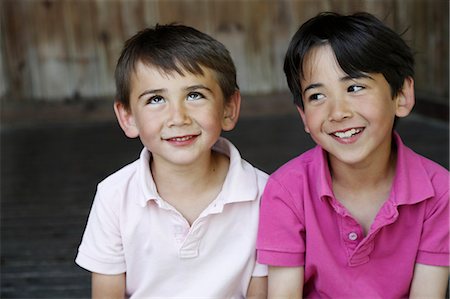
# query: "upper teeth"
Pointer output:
{"type": "Point", "coordinates": [182, 138]}
{"type": "Point", "coordinates": [348, 133]}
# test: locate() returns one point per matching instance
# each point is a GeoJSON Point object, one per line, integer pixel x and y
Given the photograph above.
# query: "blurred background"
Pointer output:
{"type": "Point", "coordinates": [66, 50]}
{"type": "Point", "coordinates": [59, 137]}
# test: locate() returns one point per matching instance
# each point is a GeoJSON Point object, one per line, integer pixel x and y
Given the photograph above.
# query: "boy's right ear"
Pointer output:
{"type": "Point", "coordinates": [302, 115]}
{"type": "Point", "coordinates": [126, 120]}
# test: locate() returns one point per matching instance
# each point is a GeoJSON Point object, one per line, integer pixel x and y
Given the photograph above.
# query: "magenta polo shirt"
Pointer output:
{"type": "Point", "coordinates": [302, 224]}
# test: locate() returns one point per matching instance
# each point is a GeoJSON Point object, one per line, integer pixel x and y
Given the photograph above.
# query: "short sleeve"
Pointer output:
{"type": "Point", "coordinates": [434, 243]}
{"type": "Point", "coordinates": [101, 249]}
{"type": "Point", "coordinates": [281, 234]}
{"type": "Point", "coordinates": [260, 270]}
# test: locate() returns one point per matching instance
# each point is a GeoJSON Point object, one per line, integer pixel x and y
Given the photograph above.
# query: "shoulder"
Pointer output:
{"type": "Point", "coordinates": [125, 186]}
{"type": "Point", "coordinates": [300, 180]}
{"type": "Point", "coordinates": [300, 167]}
{"type": "Point", "coordinates": [227, 148]}
{"type": "Point", "coordinates": [439, 180]}
{"type": "Point", "coordinates": [436, 174]}
{"type": "Point", "coordinates": [418, 173]}
{"type": "Point", "coordinates": [119, 179]}
{"type": "Point", "coordinates": [421, 180]}
{"type": "Point", "coordinates": [119, 192]}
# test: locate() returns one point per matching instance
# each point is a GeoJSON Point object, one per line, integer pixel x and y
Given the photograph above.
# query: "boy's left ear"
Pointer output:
{"type": "Point", "coordinates": [405, 99]}
{"type": "Point", "coordinates": [231, 112]}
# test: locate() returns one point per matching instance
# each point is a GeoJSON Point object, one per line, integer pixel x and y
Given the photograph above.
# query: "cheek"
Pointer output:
{"type": "Point", "coordinates": [379, 112]}
{"type": "Point", "coordinates": [213, 123]}
{"type": "Point", "coordinates": [148, 123]}
{"type": "Point", "coordinates": [313, 118]}
{"type": "Point", "coordinates": [210, 117]}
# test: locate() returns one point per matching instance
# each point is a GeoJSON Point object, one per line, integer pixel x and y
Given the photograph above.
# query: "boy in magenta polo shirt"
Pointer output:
{"type": "Point", "coordinates": [360, 215]}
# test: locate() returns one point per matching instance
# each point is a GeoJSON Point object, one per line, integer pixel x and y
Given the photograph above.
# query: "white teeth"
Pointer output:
{"type": "Point", "coordinates": [182, 138]}
{"type": "Point", "coordinates": [347, 134]}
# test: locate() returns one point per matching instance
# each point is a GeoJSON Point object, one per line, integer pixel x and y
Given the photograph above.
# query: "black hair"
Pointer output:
{"type": "Point", "coordinates": [174, 47]}
{"type": "Point", "coordinates": [361, 44]}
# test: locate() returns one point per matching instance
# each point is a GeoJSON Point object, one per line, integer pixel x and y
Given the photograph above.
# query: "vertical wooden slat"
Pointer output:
{"type": "Point", "coordinates": [82, 60]}
{"type": "Point", "coordinates": [188, 12]}
{"type": "Point", "coordinates": [50, 73]}
{"type": "Point", "coordinates": [226, 23]}
{"type": "Point", "coordinates": [431, 43]}
{"type": "Point", "coordinates": [4, 80]}
{"type": "Point", "coordinates": [16, 42]}
{"type": "Point", "coordinates": [110, 35]}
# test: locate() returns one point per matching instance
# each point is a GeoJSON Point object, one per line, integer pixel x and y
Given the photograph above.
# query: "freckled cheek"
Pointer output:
{"type": "Point", "coordinates": [149, 125]}
{"type": "Point", "coordinates": [213, 124]}
{"type": "Point", "coordinates": [209, 116]}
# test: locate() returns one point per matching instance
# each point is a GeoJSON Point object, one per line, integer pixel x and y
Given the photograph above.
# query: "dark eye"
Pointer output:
{"type": "Point", "coordinates": [194, 96]}
{"type": "Point", "coordinates": [316, 97]}
{"type": "Point", "coordinates": [354, 88]}
{"type": "Point", "coordinates": [156, 100]}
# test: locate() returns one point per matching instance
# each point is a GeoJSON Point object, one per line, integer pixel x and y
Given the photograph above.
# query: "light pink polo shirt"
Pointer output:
{"type": "Point", "coordinates": [302, 224]}
{"type": "Point", "coordinates": [132, 229]}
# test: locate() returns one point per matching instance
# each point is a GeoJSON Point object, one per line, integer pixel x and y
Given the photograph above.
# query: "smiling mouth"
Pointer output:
{"type": "Point", "coordinates": [181, 138]}
{"type": "Point", "coordinates": [347, 133]}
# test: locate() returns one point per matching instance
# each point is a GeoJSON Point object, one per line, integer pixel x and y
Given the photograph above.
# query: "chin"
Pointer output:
{"type": "Point", "coordinates": [349, 158]}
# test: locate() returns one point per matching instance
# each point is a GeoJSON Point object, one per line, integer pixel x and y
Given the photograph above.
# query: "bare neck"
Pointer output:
{"type": "Point", "coordinates": [356, 177]}
{"type": "Point", "coordinates": [363, 189]}
{"type": "Point", "coordinates": [191, 188]}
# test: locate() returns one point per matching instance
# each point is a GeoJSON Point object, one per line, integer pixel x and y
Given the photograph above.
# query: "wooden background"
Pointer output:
{"type": "Point", "coordinates": [67, 49]}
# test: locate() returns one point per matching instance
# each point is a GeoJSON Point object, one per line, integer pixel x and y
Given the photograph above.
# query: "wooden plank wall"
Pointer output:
{"type": "Point", "coordinates": [62, 49]}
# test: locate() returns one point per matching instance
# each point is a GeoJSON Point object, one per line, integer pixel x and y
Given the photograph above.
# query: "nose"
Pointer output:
{"type": "Point", "coordinates": [340, 110]}
{"type": "Point", "coordinates": [178, 115]}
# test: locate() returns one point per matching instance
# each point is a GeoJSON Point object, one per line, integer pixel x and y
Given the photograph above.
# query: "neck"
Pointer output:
{"type": "Point", "coordinates": [181, 180]}
{"type": "Point", "coordinates": [190, 189]}
{"type": "Point", "coordinates": [370, 175]}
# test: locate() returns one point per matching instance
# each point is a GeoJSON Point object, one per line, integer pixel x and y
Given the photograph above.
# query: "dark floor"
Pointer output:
{"type": "Point", "coordinates": [49, 175]}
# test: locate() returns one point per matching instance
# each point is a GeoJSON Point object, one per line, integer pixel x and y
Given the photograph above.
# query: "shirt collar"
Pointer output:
{"type": "Point", "coordinates": [145, 179]}
{"type": "Point", "coordinates": [325, 183]}
{"type": "Point", "coordinates": [411, 183]}
{"type": "Point", "coordinates": [240, 184]}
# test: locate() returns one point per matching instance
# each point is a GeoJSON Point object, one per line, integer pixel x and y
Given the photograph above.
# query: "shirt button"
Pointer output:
{"type": "Point", "coordinates": [352, 236]}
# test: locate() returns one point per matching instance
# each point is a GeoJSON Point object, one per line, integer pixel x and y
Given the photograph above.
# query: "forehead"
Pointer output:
{"type": "Point", "coordinates": [318, 61]}
{"type": "Point", "coordinates": [149, 73]}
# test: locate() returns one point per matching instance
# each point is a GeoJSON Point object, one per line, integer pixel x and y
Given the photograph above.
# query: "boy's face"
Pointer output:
{"type": "Point", "coordinates": [351, 118]}
{"type": "Point", "coordinates": [178, 118]}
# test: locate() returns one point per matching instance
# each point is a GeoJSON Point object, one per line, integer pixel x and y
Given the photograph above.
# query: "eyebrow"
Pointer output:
{"type": "Point", "coordinates": [152, 91]}
{"type": "Point", "coordinates": [311, 86]}
{"type": "Point", "coordinates": [199, 86]}
{"type": "Point", "coordinates": [162, 90]}
{"type": "Point", "coordinates": [343, 79]}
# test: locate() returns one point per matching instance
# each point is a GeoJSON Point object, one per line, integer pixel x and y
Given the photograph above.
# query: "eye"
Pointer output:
{"type": "Point", "coordinates": [316, 97]}
{"type": "Point", "coordinates": [194, 96]}
{"type": "Point", "coordinates": [156, 100]}
{"type": "Point", "coordinates": [354, 88]}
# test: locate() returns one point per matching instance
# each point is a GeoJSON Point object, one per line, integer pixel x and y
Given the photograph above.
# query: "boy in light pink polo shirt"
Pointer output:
{"type": "Point", "coordinates": [181, 221]}
{"type": "Point", "coordinates": [360, 215]}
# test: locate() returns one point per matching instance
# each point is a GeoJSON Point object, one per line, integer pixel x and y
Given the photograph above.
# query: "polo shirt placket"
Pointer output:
{"type": "Point", "coordinates": [187, 237]}
{"type": "Point", "coordinates": [359, 247]}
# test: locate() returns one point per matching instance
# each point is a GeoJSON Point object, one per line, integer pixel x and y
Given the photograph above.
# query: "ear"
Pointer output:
{"type": "Point", "coordinates": [302, 115]}
{"type": "Point", "coordinates": [405, 99]}
{"type": "Point", "coordinates": [126, 120]}
{"type": "Point", "coordinates": [231, 111]}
